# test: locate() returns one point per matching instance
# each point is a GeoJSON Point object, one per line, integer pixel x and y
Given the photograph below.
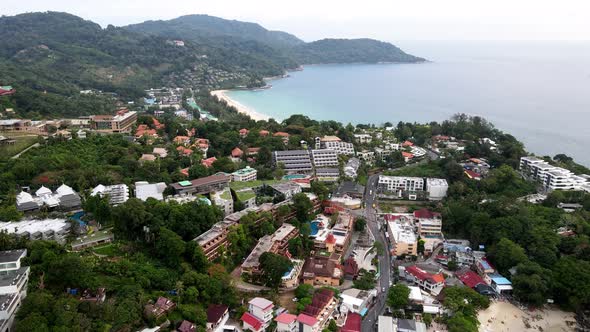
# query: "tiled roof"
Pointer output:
{"type": "Point", "coordinates": [353, 323]}
{"type": "Point", "coordinates": [425, 214]}
{"type": "Point", "coordinates": [252, 320]}
{"type": "Point", "coordinates": [261, 302]}
{"type": "Point", "coordinates": [307, 320]}
{"type": "Point", "coordinates": [286, 318]}
{"type": "Point", "coordinates": [470, 278]}
{"type": "Point", "coordinates": [215, 312]}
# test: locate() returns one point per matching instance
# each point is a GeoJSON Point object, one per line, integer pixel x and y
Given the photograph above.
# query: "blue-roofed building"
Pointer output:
{"type": "Point", "coordinates": [483, 266]}
{"type": "Point", "coordinates": [500, 284]}
{"type": "Point", "coordinates": [149, 101]}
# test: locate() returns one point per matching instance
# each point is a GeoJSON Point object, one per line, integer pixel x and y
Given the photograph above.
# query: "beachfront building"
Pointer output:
{"type": "Point", "coordinates": [117, 194]}
{"type": "Point", "coordinates": [334, 143]}
{"type": "Point", "coordinates": [13, 285]}
{"type": "Point", "coordinates": [244, 174]}
{"type": "Point", "coordinates": [551, 177]}
{"type": "Point", "coordinates": [121, 122]}
{"type": "Point", "coordinates": [324, 158]}
{"type": "Point", "coordinates": [293, 161]}
{"type": "Point", "coordinates": [432, 283]}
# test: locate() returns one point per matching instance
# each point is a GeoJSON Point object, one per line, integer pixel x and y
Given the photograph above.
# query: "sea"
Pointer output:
{"type": "Point", "coordinates": [537, 91]}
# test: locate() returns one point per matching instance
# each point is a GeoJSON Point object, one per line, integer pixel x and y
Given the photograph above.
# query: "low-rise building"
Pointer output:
{"type": "Point", "coordinates": [402, 238]}
{"type": "Point", "coordinates": [64, 198]}
{"type": "Point", "coordinates": [160, 308]}
{"type": "Point", "coordinates": [286, 323]}
{"type": "Point", "coordinates": [363, 138]}
{"type": "Point", "coordinates": [259, 314]}
{"type": "Point", "coordinates": [277, 243]}
{"type": "Point", "coordinates": [92, 240]}
{"type": "Point", "coordinates": [288, 189]}
{"type": "Point", "coordinates": [203, 185]}
{"type": "Point", "coordinates": [217, 316]}
{"type": "Point", "coordinates": [551, 177]}
{"type": "Point", "coordinates": [46, 229]}
{"type": "Point", "coordinates": [327, 174]}
{"type": "Point", "coordinates": [413, 187]}
{"type": "Point", "coordinates": [324, 158]}
{"type": "Point", "coordinates": [224, 200]}
{"type": "Point", "coordinates": [121, 122]}
{"type": "Point", "coordinates": [145, 190]}
{"type": "Point", "coordinates": [214, 238]}
{"type": "Point", "coordinates": [322, 270]}
{"type": "Point", "coordinates": [356, 300]}
{"type": "Point", "coordinates": [293, 161]}
{"type": "Point", "coordinates": [351, 168]}
{"type": "Point", "coordinates": [433, 283]}
{"type": "Point", "coordinates": [13, 286]}
{"type": "Point", "coordinates": [117, 194]}
{"type": "Point", "coordinates": [334, 143]}
{"type": "Point", "coordinates": [244, 174]}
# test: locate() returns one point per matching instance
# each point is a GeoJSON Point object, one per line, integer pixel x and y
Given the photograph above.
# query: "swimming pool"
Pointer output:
{"type": "Point", "coordinates": [315, 227]}
{"type": "Point", "coordinates": [294, 176]}
{"type": "Point", "coordinates": [78, 218]}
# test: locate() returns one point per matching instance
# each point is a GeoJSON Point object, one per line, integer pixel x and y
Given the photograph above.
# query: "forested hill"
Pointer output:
{"type": "Point", "coordinates": [50, 57]}
{"type": "Point", "coordinates": [218, 30]}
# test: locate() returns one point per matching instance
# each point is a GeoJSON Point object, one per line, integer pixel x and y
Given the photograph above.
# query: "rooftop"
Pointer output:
{"type": "Point", "coordinates": [34, 226]}
{"type": "Point", "coordinates": [13, 277]}
{"type": "Point", "coordinates": [12, 255]}
{"type": "Point", "coordinates": [261, 302]}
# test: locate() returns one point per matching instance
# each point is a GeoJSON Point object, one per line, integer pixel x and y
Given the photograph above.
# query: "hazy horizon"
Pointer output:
{"type": "Point", "coordinates": [426, 20]}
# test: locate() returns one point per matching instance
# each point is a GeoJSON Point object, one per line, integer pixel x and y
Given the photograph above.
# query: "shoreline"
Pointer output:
{"type": "Point", "coordinates": [241, 108]}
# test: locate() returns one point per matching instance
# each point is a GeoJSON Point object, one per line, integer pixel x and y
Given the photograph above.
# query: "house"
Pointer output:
{"type": "Point", "coordinates": [351, 268]}
{"type": "Point", "coordinates": [259, 315]}
{"type": "Point", "coordinates": [244, 132]}
{"type": "Point", "coordinates": [363, 138]}
{"type": "Point", "coordinates": [353, 323]}
{"type": "Point", "coordinates": [263, 133]}
{"type": "Point", "coordinates": [208, 162]}
{"type": "Point", "coordinates": [182, 140]}
{"type": "Point", "coordinates": [187, 326]}
{"type": "Point", "coordinates": [500, 284]}
{"type": "Point", "coordinates": [322, 306]}
{"type": "Point", "coordinates": [385, 324]}
{"type": "Point", "coordinates": [308, 323]}
{"type": "Point", "coordinates": [145, 190]}
{"type": "Point", "coordinates": [286, 323]}
{"type": "Point", "coordinates": [407, 144]}
{"type": "Point", "coordinates": [64, 198]}
{"type": "Point", "coordinates": [469, 278]}
{"type": "Point", "coordinates": [356, 300]}
{"type": "Point", "coordinates": [184, 151]}
{"type": "Point", "coordinates": [202, 144]}
{"type": "Point", "coordinates": [283, 135]}
{"type": "Point", "coordinates": [147, 157]}
{"type": "Point", "coordinates": [143, 130]}
{"type": "Point", "coordinates": [472, 175]}
{"type": "Point", "coordinates": [217, 316]}
{"type": "Point", "coordinates": [237, 153]}
{"type": "Point", "coordinates": [7, 90]}
{"type": "Point", "coordinates": [351, 167]}
{"type": "Point", "coordinates": [432, 283]}
{"type": "Point", "coordinates": [160, 308]}
{"type": "Point", "coordinates": [288, 189]}
{"type": "Point", "coordinates": [350, 189]}
{"type": "Point", "coordinates": [252, 151]}
{"type": "Point", "coordinates": [160, 152]}
{"type": "Point", "coordinates": [322, 270]}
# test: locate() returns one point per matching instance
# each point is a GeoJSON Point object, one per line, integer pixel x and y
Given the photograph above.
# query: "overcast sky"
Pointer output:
{"type": "Point", "coordinates": [389, 20]}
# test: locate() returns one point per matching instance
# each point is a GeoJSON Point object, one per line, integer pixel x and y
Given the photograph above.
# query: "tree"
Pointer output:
{"type": "Point", "coordinates": [360, 224]}
{"type": "Point", "coordinates": [302, 206]}
{"type": "Point", "coordinates": [170, 247]}
{"type": "Point", "coordinates": [398, 296]}
{"type": "Point", "coordinates": [507, 254]}
{"type": "Point", "coordinates": [320, 189]}
{"type": "Point", "coordinates": [531, 283]}
{"type": "Point", "coordinates": [198, 171]}
{"type": "Point", "coordinates": [273, 268]}
{"type": "Point", "coordinates": [10, 213]}
{"type": "Point", "coordinates": [379, 248]}
{"type": "Point", "coordinates": [571, 278]}
{"type": "Point", "coordinates": [366, 280]}
{"type": "Point", "coordinates": [303, 291]}
{"type": "Point", "coordinates": [420, 248]}
{"type": "Point", "coordinates": [427, 318]}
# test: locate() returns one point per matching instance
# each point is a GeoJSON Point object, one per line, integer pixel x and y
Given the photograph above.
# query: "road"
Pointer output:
{"type": "Point", "coordinates": [369, 323]}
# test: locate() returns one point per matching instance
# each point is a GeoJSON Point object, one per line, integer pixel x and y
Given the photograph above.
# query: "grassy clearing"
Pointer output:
{"type": "Point", "coordinates": [110, 250]}
{"type": "Point", "coordinates": [7, 151]}
{"type": "Point", "coordinates": [251, 184]}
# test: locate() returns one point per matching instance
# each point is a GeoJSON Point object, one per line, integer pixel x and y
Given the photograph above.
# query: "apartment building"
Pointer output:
{"type": "Point", "coordinates": [363, 138]}
{"type": "Point", "coordinates": [203, 185]}
{"type": "Point", "coordinates": [294, 161]}
{"type": "Point", "coordinates": [413, 187]}
{"type": "Point", "coordinates": [46, 229]}
{"type": "Point", "coordinates": [324, 158]}
{"type": "Point", "coordinates": [334, 143]}
{"type": "Point", "coordinates": [402, 238]}
{"type": "Point", "coordinates": [551, 177]}
{"type": "Point", "coordinates": [13, 285]}
{"type": "Point", "coordinates": [244, 174]}
{"type": "Point", "coordinates": [121, 122]}
{"type": "Point", "coordinates": [214, 238]}
{"type": "Point", "coordinates": [277, 243]}
{"type": "Point", "coordinates": [117, 194]}
{"type": "Point", "coordinates": [330, 174]}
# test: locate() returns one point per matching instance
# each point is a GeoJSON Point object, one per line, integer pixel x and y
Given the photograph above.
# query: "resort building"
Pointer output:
{"type": "Point", "coordinates": [277, 243]}
{"type": "Point", "coordinates": [214, 238]}
{"type": "Point", "coordinates": [64, 198]}
{"type": "Point", "coordinates": [117, 194]}
{"type": "Point", "coordinates": [121, 122]}
{"type": "Point", "coordinates": [334, 143]}
{"type": "Point", "coordinates": [244, 174]}
{"type": "Point", "coordinates": [551, 177]}
{"type": "Point", "coordinates": [92, 240]}
{"type": "Point", "coordinates": [202, 185]}
{"type": "Point", "coordinates": [324, 158]}
{"type": "Point", "coordinates": [13, 286]}
{"type": "Point", "coordinates": [288, 189]}
{"type": "Point", "coordinates": [327, 174]}
{"type": "Point", "coordinates": [145, 190]}
{"type": "Point", "coordinates": [322, 270]}
{"type": "Point", "coordinates": [314, 316]}
{"type": "Point", "coordinates": [293, 161]}
{"type": "Point", "coordinates": [217, 316]}
{"type": "Point", "coordinates": [363, 138]}
{"type": "Point", "coordinates": [351, 168]}
{"type": "Point", "coordinates": [46, 229]}
{"type": "Point", "coordinates": [15, 125]}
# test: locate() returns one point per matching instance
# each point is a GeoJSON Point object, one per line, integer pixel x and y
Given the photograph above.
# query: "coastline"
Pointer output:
{"type": "Point", "coordinates": [222, 95]}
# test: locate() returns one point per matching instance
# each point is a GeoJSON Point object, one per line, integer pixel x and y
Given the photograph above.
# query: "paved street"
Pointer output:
{"type": "Point", "coordinates": [384, 260]}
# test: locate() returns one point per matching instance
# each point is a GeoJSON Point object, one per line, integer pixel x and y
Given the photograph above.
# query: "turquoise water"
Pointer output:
{"type": "Point", "coordinates": [539, 92]}
{"type": "Point", "coordinates": [294, 176]}
{"type": "Point", "coordinates": [315, 228]}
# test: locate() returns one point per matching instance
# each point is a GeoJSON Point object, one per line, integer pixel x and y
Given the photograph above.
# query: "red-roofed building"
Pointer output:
{"type": "Point", "coordinates": [237, 153]}
{"type": "Point", "coordinates": [426, 214]}
{"type": "Point", "coordinates": [433, 283]}
{"type": "Point", "coordinates": [157, 124]}
{"type": "Point", "coordinates": [202, 144]}
{"type": "Point", "coordinates": [472, 175]}
{"type": "Point", "coordinates": [470, 278]}
{"type": "Point", "coordinates": [7, 90]}
{"type": "Point", "coordinates": [407, 143]}
{"type": "Point", "coordinates": [307, 323]}
{"type": "Point", "coordinates": [353, 323]}
{"type": "Point", "coordinates": [244, 132]}
{"type": "Point", "coordinates": [187, 326]}
{"type": "Point", "coordinates": [283, 135]}
{"type": "Point", "coordinates": [263, 133]}
{"type": "Point", "coordinates": [407, 155]}
{"type": "Point", "coordinates": [252, 151]}
{"type": "Point", "coordinates": [286, 322]}
{"type": "Point", "coordinates": [184, 171]}
{"type": "Point", "coordinates": [160, 308]}
{"type": "Point", "coordinates": [182, 140]}
{"type": "Point", "coordinates": [252, 323]}
{"type": "Point", "coordinates": [208, 162]}
{"type": "Point", "coordinates": [184, 151]}
{"type": "Point", "coordinates": [351, 268]}
{"type": "Point", "coordinates": [217, 315]}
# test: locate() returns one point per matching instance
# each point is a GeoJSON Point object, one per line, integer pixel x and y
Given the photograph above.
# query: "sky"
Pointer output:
{"type": "Point", "coordinates": [390, 20]}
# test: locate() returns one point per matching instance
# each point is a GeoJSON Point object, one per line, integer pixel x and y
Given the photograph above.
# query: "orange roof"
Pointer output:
{"type": "Point", "coordinates": [208, 162]}
{"type": "Point", "coordinates": [181, 139]}
{"type": "Point", "coordinates": [281, 134]}
{"type": "Point", "coordinates": [407, 143]}
{"type": "Point", "coordinates": [184, 151]}
{"type": "Point", "coordinates": [330, 239]}
{"type": "Point", "coordinates": [184, 171]}
{"type": "Point", "coordinates": [438, 278]}
{"type": "Point", "coordinates": [264, 133]}
{"type": "Point", "coordinates": [237, 152]}
{"type": "Point", "coordinates": [244, 131]}
{"type": "Point", "coordinates": [407, 154]}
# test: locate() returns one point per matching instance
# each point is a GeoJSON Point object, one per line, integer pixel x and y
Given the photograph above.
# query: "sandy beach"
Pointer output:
{"type": "Point", "coordinates": [221, 94]}
{"type": "Point", "coordinates": [505, 317]}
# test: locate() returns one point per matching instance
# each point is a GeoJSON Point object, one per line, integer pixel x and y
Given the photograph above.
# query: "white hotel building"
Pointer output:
{"type": "Point", "coordinates": [401, 186]}
{"type": "Point", "coordinates": [324, 158]}
{"type": "Point", "coordinates": [552, 177]}
{"type": "Point", "coordinates": [334, 143]}
{"type": "Point", "coordinates": [13, 286]}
